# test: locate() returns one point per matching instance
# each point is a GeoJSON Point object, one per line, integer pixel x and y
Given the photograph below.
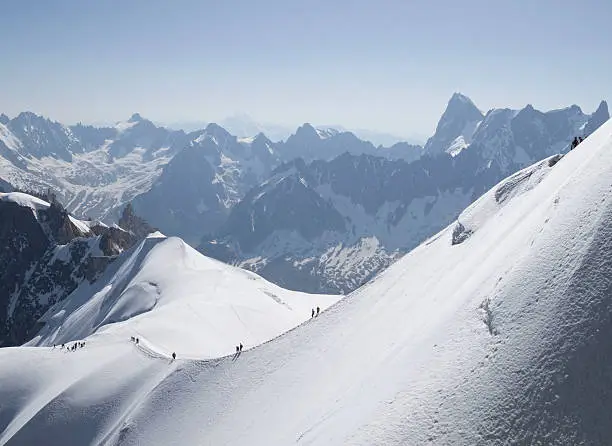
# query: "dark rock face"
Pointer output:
{"type": "Point", "coordinates": [600, 116]}
{"type": "Point", "coordinates": [44, 257]}
{"type": "Point", "coordinates": [133, 224]}
{"type": "Point", "coordinates": [5, 186]}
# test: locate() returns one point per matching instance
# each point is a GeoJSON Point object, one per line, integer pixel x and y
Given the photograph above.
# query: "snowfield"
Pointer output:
{"type": "Point", "coordinates": [176, 300]}
{"type": "Point", "coordinates": [494, 331]}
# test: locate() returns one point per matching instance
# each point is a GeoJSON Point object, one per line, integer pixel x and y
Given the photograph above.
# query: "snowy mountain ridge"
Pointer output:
{"type": "Point", "coordinates": [500, 338]}
{"type": "Point", "coordinates": [164, 279]}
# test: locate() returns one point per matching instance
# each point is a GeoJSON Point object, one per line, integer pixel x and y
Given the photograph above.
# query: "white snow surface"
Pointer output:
{"type": "Point", "coordinates": [176, 299]}
{"type": "Point", "coordinates": [25, 200]}
{"type": "Point", "coordinates": [501, 339]}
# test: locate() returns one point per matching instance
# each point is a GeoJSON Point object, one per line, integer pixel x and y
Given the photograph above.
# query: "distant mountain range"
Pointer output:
{"type": "Point", "coordinates": [329, 226]}
{"type": "Point", "coordinates": [242, 125]}
{"type": "Point", "coordinates": [321, 211]}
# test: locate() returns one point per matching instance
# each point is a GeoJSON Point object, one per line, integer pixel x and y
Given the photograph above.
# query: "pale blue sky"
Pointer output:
{"type": "Point", "coordinates": [381, 65]}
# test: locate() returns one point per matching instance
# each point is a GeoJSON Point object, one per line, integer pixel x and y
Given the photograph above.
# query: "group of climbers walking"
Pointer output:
{"type": "Point", "coordinates": [577, 140]}
{"type": "Point", "coordinates": [313, 314]}
{"type": "Point", "coordinates": [136, 340]}
{"type": "Point", "coordinates": [73, 347]}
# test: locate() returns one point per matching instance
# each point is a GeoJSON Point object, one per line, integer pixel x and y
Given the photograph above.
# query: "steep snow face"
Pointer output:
{"type": "Point", "coordinates": [502, 338]}
{"type": "Point", "coordinates": [175, 299]}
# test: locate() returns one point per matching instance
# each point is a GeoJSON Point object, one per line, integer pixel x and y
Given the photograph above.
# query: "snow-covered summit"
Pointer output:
{"type": "Point", "coordinates": [178, 300]}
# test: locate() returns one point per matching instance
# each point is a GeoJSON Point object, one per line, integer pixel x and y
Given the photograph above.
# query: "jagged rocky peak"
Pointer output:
{"type": "Point", "coordinates": [261, 137]}
{"type": "Point", "coordinates": [136, 118]}
{"type": "Point", "coordinates": [459, 121]}
{"type": "Point", "coordinates": [134, 224]}
{"type": "Point", "coordinates": [306, 131]}
{"type": "Point", "coordinates": [216, 129]}
{"type": "Point", "coordinates": [600, 116]}
{"type": "Point", "coordinates": [4, 119]}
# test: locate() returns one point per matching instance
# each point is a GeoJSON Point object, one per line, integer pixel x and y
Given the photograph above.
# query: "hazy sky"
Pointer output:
{"type": "Point", "coordinates": [381, 65]}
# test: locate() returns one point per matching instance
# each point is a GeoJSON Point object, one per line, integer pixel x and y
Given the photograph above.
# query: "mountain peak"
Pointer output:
{"type": "Point", "coordinates": [261, 137]}
{"type": "Point", "coordinates": [4, 119]}
{"type": "Point", "coordinates": [460, 98]}
{"type": "Point", "coordinates": [136, 118]}
{"type": "Point", "coordinates": [307, 130]}
{"type": "Point", "coordinates": [28, 116]}
{"type": "Point", "coordinates": [215, 129]}
{"type": "Point", "coordinates": [458, 121]}
{"type": "Point", "coordinates": [600, 116]}
{"type": "Point", "coordinates": [602, 109]}
{"type": "Point", "coordinates": [460, 102]}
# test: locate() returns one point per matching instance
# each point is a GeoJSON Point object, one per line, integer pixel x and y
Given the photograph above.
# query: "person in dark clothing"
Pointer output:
{"type": "Point", "coordinates": [173, 356]}
{"type": "Point", "coordinates": [240, 346]}
{"type": "Point", "coordinates": [136, 340]}
{"type": "Point", "coordinates": [237, 348]}
{"type": "Point", "coordinates": [580, 139]}
{"type": "Point", "coordinates": [575, 142]}
{"type": "Point", "coordinates": [318, 311]}
{"type": "Point", "coordinates": [312, 313]}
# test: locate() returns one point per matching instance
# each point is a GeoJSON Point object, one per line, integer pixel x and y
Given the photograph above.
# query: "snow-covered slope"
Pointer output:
{"type": "Point", "coordinates": [501, 338]}
{"type": "Point", "coordinates": [175, 299]}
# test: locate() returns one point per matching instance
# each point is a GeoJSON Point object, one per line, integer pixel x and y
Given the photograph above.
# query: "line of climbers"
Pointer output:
{"type": "Point", "coordinates": [137, 341]}
{"type": "Point", "coordinates": [72, 348]}
{"type": "Point", "coordinates": [577, 140]}
{"type": "Point", "coordinates": [238, 347]}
